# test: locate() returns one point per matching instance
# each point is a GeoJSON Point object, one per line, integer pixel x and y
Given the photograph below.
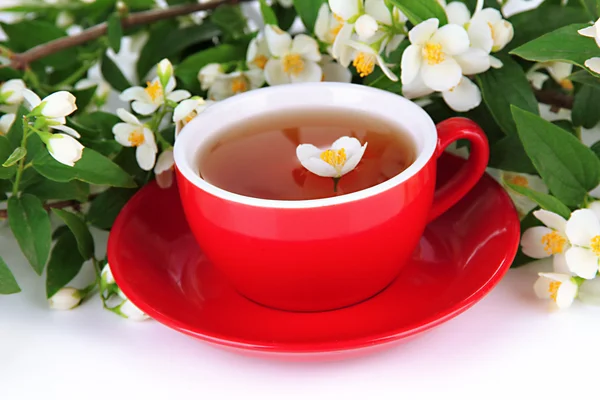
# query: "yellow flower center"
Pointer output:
{"type": "Point", "coordinates": [154, 90]}
{"type": "Point", "coordinates": [433, 54]}
{"type": "Point", "coordinates": [239, 85]}
{"type": "Point", "coordinates": [554, 242]}
{"type": "Point", "coordinates": [190, 117]}
{"type": "Point", "coordinates": [519, 180]}
{"type": "Point", "coordinates": [293, 64]}
{"type": "Point", "coordinates": [566, 84]}
{"type": "Point", "coordinates": [595, 245]}
{"type": "Point", "coordinates": [136, 138]}
{"type": "Point", "coordinates": [553, 289]}
{"type": "Point", "coordinates": [335, 158]}
{"type": "Point", "coordinates": [260, 61]}
{"type": "Point", "coordinates": [364, 64]}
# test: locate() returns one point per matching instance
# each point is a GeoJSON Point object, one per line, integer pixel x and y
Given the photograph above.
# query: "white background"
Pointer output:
{"type": "Point", "coordinates": [509, 344]}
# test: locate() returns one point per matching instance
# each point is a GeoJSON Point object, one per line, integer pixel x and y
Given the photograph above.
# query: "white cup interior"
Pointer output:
{"type": "Point", "coordinates": [396, 110]}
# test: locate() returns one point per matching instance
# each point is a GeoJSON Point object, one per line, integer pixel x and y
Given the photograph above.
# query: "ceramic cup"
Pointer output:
{"type": "Point", "coordinates": [317, 255]}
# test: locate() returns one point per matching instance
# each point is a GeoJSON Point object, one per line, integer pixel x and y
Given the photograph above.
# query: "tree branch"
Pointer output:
{"type": "Point", "coordinates": [554, 98]}
{"type": "Point", "coordinates": [58, 204]}
{"type": "Point", "coordinates": [22, 60]}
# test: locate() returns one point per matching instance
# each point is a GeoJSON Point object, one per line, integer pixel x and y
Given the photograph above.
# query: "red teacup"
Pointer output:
{"type": "Point", "coordinates": [316, 255]}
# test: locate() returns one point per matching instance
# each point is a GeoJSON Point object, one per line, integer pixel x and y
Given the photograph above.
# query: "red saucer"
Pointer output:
{"type": "Point", "coordinates": [461, 257]}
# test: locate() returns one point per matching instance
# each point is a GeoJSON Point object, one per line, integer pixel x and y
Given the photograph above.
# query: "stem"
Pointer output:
{"type": "Point", "coordinates": [58, 204]}
{"type": "Point", "coordinates": [336, 181]}
{"type": "Point", "coordinates": [22, 60]}
{"type": "Point", "coordinates": [20, 168]}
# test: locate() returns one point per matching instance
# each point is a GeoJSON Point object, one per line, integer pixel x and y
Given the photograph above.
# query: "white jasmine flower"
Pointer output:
{"type": "Point", "coordinates": [560, 288]}
{"type": "Point", "coordinates": [592, 32]}
{"type": "Point", "coordinates": [431, 55]}
{"type": "Point", "coordinates": [234, 83]}
{"type": "Point", "coordinates": [365, 58]}
{"type": "Point", "coordinates": [65, 299]}
{"type": "Point", "coordinates": [132, 133]}
{"type": "Point", "coordinates": [11, 91]}
{"type": "Point", "coordinates": [208, 74]}
{"type": "Point", "coordinates": [583, 230]}
{"type": "Point", "coordinates": [559, 71]}
{"type": "Point", "coordinates": [55, 107]}
{"type": "Point", "coordinates": [342, 157]}
{"type": "Point", "coordinates": [129, 310]}
{"type": "Point", "coordinates": [147, 100]}
{"type": "Point", "coordinates": [64, 148]}
{"type": "Point", "coordinates": [463, 97]}
{"type": "Point", "coordinates": [6, 122]}
{"type": "Point", "coordinates": [256, 58]}
{"type": "Point", "coordinates": [292, 60]}
{"type": "Point", "coordinates": [548, 241]}
{"type": "Point", "coordinates": [328, 25]}
{"type": "Point", "coordinates": [334, 71]}
{"type": "Point", "coordinates": [187, 110]}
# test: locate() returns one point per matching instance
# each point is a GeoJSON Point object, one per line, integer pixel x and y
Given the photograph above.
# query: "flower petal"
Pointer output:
{"type": "Point", "coordinates": [143, 108]}
{"type": "Point", "coordinates": [145, 156]}
{"type": "Point", "coordinates": [311, 73]}
{"type": "Point", "coordinates": [495, 62]}
{"type": "Point", "coordinates": [32, 100]}
{"type": "Point", "coordinates": [128, 117]}
{"type": "Point", "coordinates": [541, 287]}
{"type": "Point", "coordinates": [582, 262]}
{"type": "Point", "coordinates": [473, 61]}
{"type": "Point", "coordinates": [350, 144]}
{"type": "Point", "coordinates": [306, 151]}
{"type": "Point", "coordinates": [537, 79]}
{"type": "Point", "coordinates": [458, 13]}
{"type": "Point", "coordinates": [551, 220]}
{"type": "Point", "coordinates": [6, 122]}
{"type": "Point", "coordinates": [122, 132]}
{"type": "Point", "coordinates": [340, 49]}
{"type": "Point", "coordinates": [416, 89]}
{"type": "Point", "coordinates": [68, 130]}
{"type": "Point", "coordinates": [595, 207]}
{"type": "Point", "coordinates": [334, 72]}
{"type": "Point", "coordinates": [480, 35]}
{"type": "Point", "coordinates": [410, 64]}
{"type": "Point", "coordinates": [353, 160]}
{"type": "Point", "coordinates": [453, 38]}
{"type": "Point", "coordinates": [443, 76]}
{"type": "Point", "coordinates": [593, 64]}
{"type": "Point", "coordinates": [531, 242]}
{"type": "Point", "coordinates": [490, 15]}
{"type": "Point", "coordinates": [345, 8]}
{"type": "Point", "coordinates": [464, 97]}
{"type": "Point", "coordinates": [179, 95]}
{"type": "Point", "coordinates": [165, 162]}
{"type": "Point", "coordinates": [590, 31]}
{"type": "Point", "coordinates": [566, 293]}
{"type": "Point", "coordinates": [366, 26]}
{"type": "Point", "coordinates": [307, 47]}
{"type": "Point", "coordinates": [256, 77]}
{"type": "Point", "coordinates": [170, 85]}
{"type": "Point", "coordinates": [385, 69]}
{"type": "Point", "coordinates": [279, 42]}
{"type": "Point", "coordinates": [274, 73]}
{"type": "Point", "coordinates": [185, 108]}
{"type": "Point", "coordinates": [135, 93]}
{"type": "Point", "coordinates": [319, 167]}
{"type": "Point", "coordinates": [560, 70]}
{"type": "Point", "coordinates": [321, 25]}
{"type": "Point", "coordinates": [423, 31]}
{"type": "Point", "coordinates": [559, 264]}
{"type": "Point", "coordinates": [582, 227]}
{"type": "Point", "coordinates": [378, 10]}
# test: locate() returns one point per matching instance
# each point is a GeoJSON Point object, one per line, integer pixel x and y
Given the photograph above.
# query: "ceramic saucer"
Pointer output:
{"type": "Point", "coordinates": [461, 257]}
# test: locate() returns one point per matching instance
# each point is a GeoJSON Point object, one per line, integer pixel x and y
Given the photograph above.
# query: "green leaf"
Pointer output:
{"type": "Point", "coordinates": [59, 191]}
{"type": "Point", "coordinates": [30, 224]}
{"type": "Point", "coordinates": [15, 157]}
{"type": "Point", "coordinates": [504, 87]}
{"type": "Point", "coordinates": [418, 11]}
{"type": "Point", "coordinates": [113, 75]}
{"type": "Point", "coordinates": [85, 242]}
{"type": "Point", "coordinates": [268, 14]}
{"type": "Point", "coordinates": [585, 78]}
{"type": "Point", "coordinates": [596, 148]}
{"type": "Point", "coordinates": [15, 133]}
{"type": "Point", "coordinates": [308, 11]}
{"type": "Point", "coordinates": [27, 34]}
{"type": "Point", "coordinates": [187, 71]}
{"type": "Point", "coordinates": [285, 15]}
{"type": "Point", "coordinates": [106, 207]}
{"type": "Point", "coordinates": [8, 283]}
{"type": "Point", "coordinates": [591, 6]}
{"type": "Point", "coordinates": [546, 201]}
{"type": "Point", "coordinates": [171, 43]}
{"type": "Point", "coordinates": [567, 166]}
{"type": "Point", "coordinates": [508, 154]}
{"type": "Point", "coordinates": [5, 152]}
{"type": "Point", "coordinates": [563, 44]}
{"type": "Point", "coordinates": [93, 168]}
{"type": "Point", "coordinates": [64, 265]}
{"type": "Point", "coordinates": [115, 32]}
{"type": "Point", "coordinates": [585, 107]}
{"type": "Point", "coordinates": [96, 125]}
{"type": "Point", "coordinates": [230, 19]}
{"type": "Point", "coordinates": [532, 24]}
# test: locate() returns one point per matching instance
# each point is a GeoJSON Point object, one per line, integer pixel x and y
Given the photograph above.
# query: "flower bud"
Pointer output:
{"type": "Point", "coordinates": [366, 27]}
{"type": "Point", "coordinates": [209, 74]}
{"type": "Point", "coordinates": [164, 71]}
{"type": "Point", "coordinates": [11, 91]}
{"type": "Point", "coordinates": [64, 149]}
{"type": "Point", "coordinates": [106, 276]}
{"type": "Point", "coordinates": [64, 19]}
{"type": "Point", "coordinates": [65, 299]}
{"type": "Point", "coordinates": [129, 310]}
{"type": "Point", "coordinates": [59, 104]}
{"type": "Point", "coordinates": [6, 122]}
{"type": "Point", "coordinates": [503, 34]}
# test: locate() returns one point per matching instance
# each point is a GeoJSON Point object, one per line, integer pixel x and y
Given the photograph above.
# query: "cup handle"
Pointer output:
{"type": "Point", "coordinates": [462, 182]}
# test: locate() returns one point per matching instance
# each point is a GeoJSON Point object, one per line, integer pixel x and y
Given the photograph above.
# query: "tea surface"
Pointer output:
{"type": "Point", "coordinates": [258, 158]}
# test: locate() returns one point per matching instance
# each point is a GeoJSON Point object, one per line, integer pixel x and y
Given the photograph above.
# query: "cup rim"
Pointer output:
{"type": "Point", "coordinates": [187, 144]}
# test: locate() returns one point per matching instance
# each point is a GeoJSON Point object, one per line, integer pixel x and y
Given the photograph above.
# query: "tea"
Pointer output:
{"type": "Point", "coordinates": [258, 159]}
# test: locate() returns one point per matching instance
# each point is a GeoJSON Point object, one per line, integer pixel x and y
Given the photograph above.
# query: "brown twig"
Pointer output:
{"type": "Point", "coordinates": [22, 60]}
{"type": "Point", "coordinates": [555, 99]}
{"type": "Point", "coordinates": [58, 204]}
